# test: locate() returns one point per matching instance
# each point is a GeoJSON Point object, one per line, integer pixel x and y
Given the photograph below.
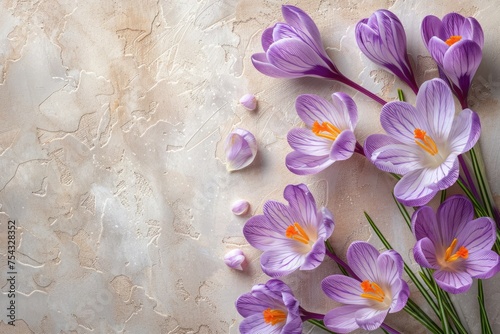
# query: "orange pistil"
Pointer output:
{"type": "Point", "coordinates": [296, 232]}
{"type": "Point", "coordinates": [462, 252]}
{"type": "Point", "coordinates": [425, 142]}
{"type": "Point", "coordinates": [325, 130]}
{"type": "Point", "coordinates": [372, 291]}
{"type": "Point", "coordinates": [273, 316]}
{"type": "Point", "coordinates": [452, 40]}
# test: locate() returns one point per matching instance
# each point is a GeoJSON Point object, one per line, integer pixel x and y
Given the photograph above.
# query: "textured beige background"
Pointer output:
{"type": "Point", "coordinates": [112, 120]}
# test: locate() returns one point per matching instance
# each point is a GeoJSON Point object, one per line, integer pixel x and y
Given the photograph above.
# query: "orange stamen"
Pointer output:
{"type": "Point", "coordinates": [296, 232]}
{"type": "Point", "coordinates": [452, 40]}
{"type": "Point", "coordinates": [273, 316]}
{"type": "Point", "coordinates": [372, 291]}
{"type": "Point", "coordinates": [462, 252]}
{"type": "Point", "coordinates": [425, 142]}
{"type": "Point", "coordinates": [325, 130]}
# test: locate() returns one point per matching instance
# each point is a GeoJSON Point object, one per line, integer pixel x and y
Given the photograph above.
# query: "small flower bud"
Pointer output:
{"type": "Point", "coordinates": [249, 101]}
{"type": "Point", "coordinates": [235, 259]}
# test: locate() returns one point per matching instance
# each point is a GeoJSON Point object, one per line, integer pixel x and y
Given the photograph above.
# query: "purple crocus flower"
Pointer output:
{"type": "Point", "coordinates": [270, 308]}
{"type": "Point", "coordinates": [423, 143]}
{"type": "Point", "coordinates": [382, 38]}
{"type": "Point", "coordinates": [294, 49]}
{"type": "Point", "coordinates": [380, 289]}
{"type": "Point", "coordinates": [456, 45]}
{"type": "Point", "coordinates": [329, 135]}
{"type": "Point", "coordinates": [455, 245]}
{"type": "Point", "coordinates": [291, 236]}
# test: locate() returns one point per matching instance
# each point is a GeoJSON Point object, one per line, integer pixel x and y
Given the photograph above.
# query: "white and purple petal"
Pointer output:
{"type": "Point", "coordinates": [465, 131]}
{"type": "Point", "coordinates": [304, 141]}
{"type": "Point", "coordinates": [344, 289]}
{"type": "Point", "coordinates": [241, 148]}
{"type": "Point", "coordinates": [453, 281]}
{"type": "Point", "coordinates": [343, 146]}
{"type": "Point", "coordinates": [304, 164]}
{"type": "Point", "coordinates": [362, 258]}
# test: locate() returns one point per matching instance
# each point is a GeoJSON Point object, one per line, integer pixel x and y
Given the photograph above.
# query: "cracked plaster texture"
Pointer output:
{"type": "Point", "coordinates": [112, 121]}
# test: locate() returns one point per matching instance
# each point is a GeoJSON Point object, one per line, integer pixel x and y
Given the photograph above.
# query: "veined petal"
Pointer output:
{"type": "Point", "coordinates": [281, 262]}
{"type": "Point", "coordinates": [437, 48]}
{"type": "Point", "coordinates": [400, 119]}
{"type": "Point", "coordinates": [298, 19]}
{"type": "Point", "coordinates": [327, 225]}
{"type": "Point", "coordinates": [255, 324]}
{"type": "Point", "coordinates": [313, 108]}
{"type": "Point", "coordinates": [267, 38]}
{"type": "Point", "coordinates": [392, 156]}
{"type": "Point", "coordinates": [413, 188]}
{"type": "Point", "coordinates": [483, 264]}
{"type": "Point", "coordinates": [248, 304]}
{"type": "Point", "coordinates": [460, 63]}
{"type": "Point", "coordinates": [424, 224]}
{"type": "Point", "coordinates": [241, 148]}
{"type": "Point", "coordinates": [296, 57]}
{"type": "Point", "coordinates": [453, 281]}
{"type": "Point", "coordinates": [390, 265]}
{"type": "Point", "coordinates": [432, 26]}
{"type": "Point", "coordinates": [362, 257]}
{"type": "Point", "coordinates": [473, 31]}
{"type": "Point", "coordinates": [264, 235]}
{"type": "Point", "coordinates": [341, 319]}
{"type": "Point", "coordinates": [452, 24]}
{"type": "Point", "coordinates": [344, 289]}
{"type": "Point", "coordinates": [424, 253]}
{"type": "Point", "coordinates": [453, 216]}
{"type": "Point", "coordinates": [435, 101]}
{"type": "Point", "coordinates": [315, 256]}
{"type": "Point", "coordinates": [303, 164]}
{"type": "Point", "coordinates": [400, 292]}
{"type": "Point", "coordinates": [260, 62]}
{"type": "Point", "coordinates": [304, 141]}
{"type": "Point", "coordinates": [303, 206]}
{"type": "Point", "coordinates": [279, 215]}
{"type": "Point", "coordinates": [347, 110]}
{"type": "Point", "coordinates": [370, 319]}
{"type": "Point", "coordinates": [343, 146]}
{"type": "Point", "coordinates": [477, 234]}
{"type": "Point", "coordinates": [465, 131]}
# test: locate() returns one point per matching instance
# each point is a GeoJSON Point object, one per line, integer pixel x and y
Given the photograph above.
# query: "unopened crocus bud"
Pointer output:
{"type": "Point", "coordinates": [240, 207]}
{"type": "Point", "coordinates": [235, 259]}
{"type": "Point", "coordinates": [249, 101]}
{"type": "Point", "coordinates": [241, 149]}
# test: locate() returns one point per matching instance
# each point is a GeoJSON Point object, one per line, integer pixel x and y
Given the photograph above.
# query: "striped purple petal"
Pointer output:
{"type": "Point", "coordinates": [362, 258]}
{"type": "Point", "coordinates": [304, 164]}
{"type": "Point", "coordinates": [304, 141]}
{"type": "Point", "coordinates": [343, 147]}
{"type": "Point", "coordinates": [344, 289]}
{"type": "Point", "coordinates": [453, 281]}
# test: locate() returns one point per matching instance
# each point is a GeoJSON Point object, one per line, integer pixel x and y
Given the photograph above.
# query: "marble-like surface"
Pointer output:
{"type": "Point", "coordinates": [112, 121]}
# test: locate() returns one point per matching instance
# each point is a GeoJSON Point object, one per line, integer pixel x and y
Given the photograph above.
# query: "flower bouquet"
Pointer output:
{"type": "Point", "coordinates": [427, 148]}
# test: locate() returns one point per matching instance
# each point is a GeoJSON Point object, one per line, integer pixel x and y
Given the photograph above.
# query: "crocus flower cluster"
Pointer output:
{"type": "Point", "coordinates": [456, 45]}
{"type": "Point", "coordinates": [423, 144]}
{"type": "Point", "coordinates": [382, 38]}
{"type": "Point", "coordinates": [454, 244]}
{"type": "Point", "coordinates": [329, 135]}
{"type": "Point", "coordinates": [380, 289]}
{"type": "Point", "coordinates": [291, 236]}
{"type": "Point", "coordinates": [269, 308]}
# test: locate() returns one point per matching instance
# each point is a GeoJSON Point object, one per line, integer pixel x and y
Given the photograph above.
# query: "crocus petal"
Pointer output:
{"type": "Point", "coordinates": [362, 258]}
{"type": "Point", "coordinates": [482, 264]}
{"type": "Point", "coordinates": [453, 215]}
{"type": "Point", "coordinates": [465, 131]}
{"type": "Point", "coordinates": [235, 259]}
{"type": "Point", "coordinates": [437, 48]}
{"type": "Point", "coordinates": [400, 119]}
{"type": "Point", "coordinates": [390, 265]}
{"type": "Point", "coordinates": [313, 108]}
{"type": "Point", "coordinates": [304, 141]}
{"type": "Point", "coordinates": [249, 304]}
{"type": "Point", "coordinates": [460, 63]}
{"type": "Point", "coordinates": [240, 148]}
{"type": "Point", "coordinates": [341, 319]}
{"type": "Point", "coordinates": [453, 281]}
{"type": "Point", "coordinates": [296, 57]}
{"type": "Point", "coordinates": [325, 230]}
{"type": "Point", "coordinates": [344, 289]}
{"type": "Point", "coordinates": [391, 156]}
{"type": "Point", "coordinates": [432, 26]}
{"type": "Point", "coordinates": [260, 62]}
{"type": "Point", "coordinates": [267, 38]}
{"type": "Point", "coordinates": [240, 207]}
{"type": "Point", "coordinates": [424, 253]}
{"type": "Point", "coordinates": [343, 146]}
{"type": "Point", "coordinates": [303, 206]}
{"type": "Point", "coordinates": [370, 319]}
{"type": "Point", "coordinates": [303, 164]}
{"type": "Point", "coordinates": [400, 293]}
{"type": "Point", "coordinates": [347, 111]}
{"type": "Point", "coordinates": [452, 24]}
{"type": "Point", "coordinates": [279, 215]}
{"type": "Point", "coordinates": [256, 324]}
{"type": "Point", "coordinates": [424, 224]}
{"type": "Point", "coordinates": [413, 189]}
{"type": "Point", "coordinates": [263, 235]}
{"type": "Point", "coordinates": [280, 262]}
{"type": "Point", "coordinates": [473, 31]}
{"type": "Point", "coordinates": [315, 256]}
{"type": "Point", "coordinates": [306, 27]}
{"type": "Point", "coordinates": [435, 101]}
{"type": "Point", "coordinates": [477, 234]}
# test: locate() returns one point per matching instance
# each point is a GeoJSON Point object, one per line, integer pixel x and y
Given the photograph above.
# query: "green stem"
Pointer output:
{"type": "Point", "coordinates": [485, 323]}
{"type": "Point", "coordinates": [320, 324]}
